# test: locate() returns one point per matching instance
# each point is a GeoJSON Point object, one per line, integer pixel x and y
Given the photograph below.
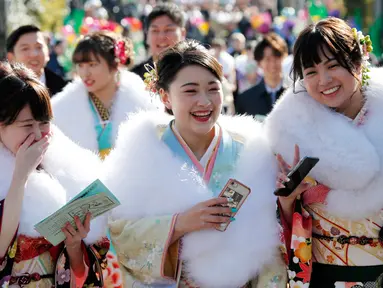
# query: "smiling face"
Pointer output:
{"type": "Point", "coordinates": [14, 135]}
{"type": "Point", "coordinates": [329, 83]}
{"type": "Point", "coordinates": [96, 74]}
{"type": "Point", "coordinates": [163, 33]}
{"type": "Point", "coordinates": [195, 97]}
{"type": "Point", "coordinates": [31, 50]}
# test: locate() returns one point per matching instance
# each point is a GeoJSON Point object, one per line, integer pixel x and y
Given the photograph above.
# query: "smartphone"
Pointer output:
{"type": "Point", "coordinates": [238, 192]}
{"type": "Point", "coordinates": [296, 175]}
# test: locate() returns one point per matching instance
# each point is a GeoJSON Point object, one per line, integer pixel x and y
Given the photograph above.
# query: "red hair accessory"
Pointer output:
{"type": "Point", "coordinates": [119, 52]}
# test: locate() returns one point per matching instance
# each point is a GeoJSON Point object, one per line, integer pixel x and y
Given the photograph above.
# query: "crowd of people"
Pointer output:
{"type": "Point", "coordinates": [165, 139]}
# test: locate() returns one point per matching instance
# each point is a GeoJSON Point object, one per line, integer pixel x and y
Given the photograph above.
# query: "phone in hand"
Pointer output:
{"type": "Point", "coordinates": [238, 192]}
{"type": "Point", "coordinates": [296, 176]}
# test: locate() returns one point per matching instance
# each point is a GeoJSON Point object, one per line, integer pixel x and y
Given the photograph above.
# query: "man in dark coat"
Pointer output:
{"type": "Point", "coordinates": [259, 100]}
{"type": "Point", "coordinates": [27, 45]}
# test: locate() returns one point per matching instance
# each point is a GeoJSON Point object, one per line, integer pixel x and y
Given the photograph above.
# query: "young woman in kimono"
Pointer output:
{"type": "Point", "coordinates": [168, 172]}
{"type": "Point", "coordinates": [334, 231]}
{"type": "Point", "coordinates": [90, 109]}
{"type": "Point", "coordinates": [41, 170]}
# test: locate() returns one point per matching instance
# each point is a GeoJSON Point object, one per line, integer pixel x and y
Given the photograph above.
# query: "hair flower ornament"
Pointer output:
{"type": "Point", "coordinates": [119, 52]}
{"type": "Point", "coordinates": [365, 46]}
{"type": "Point", "coordinates": [151, 78]}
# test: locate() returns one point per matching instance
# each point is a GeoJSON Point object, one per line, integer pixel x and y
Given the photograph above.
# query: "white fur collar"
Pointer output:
{"type": "Point", "coordinates": [72, 113]}
{"type": "Point", "coordinates": [68, 169]}
{"type": "Point", "coordinates": [350, 155]}
{"type": "Point", "coordinates": [214, 259]}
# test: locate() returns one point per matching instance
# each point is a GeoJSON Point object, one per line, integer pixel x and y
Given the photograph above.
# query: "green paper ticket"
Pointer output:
{"type": "Point", "coordinates": [96, 199]}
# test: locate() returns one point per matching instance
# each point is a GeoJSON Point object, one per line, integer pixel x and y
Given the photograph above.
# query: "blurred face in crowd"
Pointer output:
{"type": "Point", "coordinates": [14, 135]}
{"type": "Point", "coordinates": [271, 64]}
{"type": "Point", "coordinates": [163, 33]}
{"type": "Point", "coordinates": [96, 74]}
{"type": "Point", "coordinates": [60, 49]}
{"type": "Point", "coordinates": [31, 50]}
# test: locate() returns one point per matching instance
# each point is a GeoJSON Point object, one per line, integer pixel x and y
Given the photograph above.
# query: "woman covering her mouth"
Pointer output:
{"type": "Point", "coordinates": [168, 171]}
{"type": "Point", "coordinates": [40, 171]}
{"type": "Point", "coordinates": [333, 114]}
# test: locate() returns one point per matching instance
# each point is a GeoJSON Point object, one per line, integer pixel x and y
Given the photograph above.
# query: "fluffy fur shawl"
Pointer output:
{"type": "Point", "coordinates": [72, 113]}
{"type": "Point", "coordinates": [350, 155]}
{"type": "Point", "coordinates": [67, 170]}
{"type": "Point", "coordinates": [149, 180]}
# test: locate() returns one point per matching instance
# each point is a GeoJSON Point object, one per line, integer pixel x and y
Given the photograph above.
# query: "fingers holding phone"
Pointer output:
{"type": "Point", "coordinates": [205, 215]}
{"type": "Point", "coordinates": [290, 182]}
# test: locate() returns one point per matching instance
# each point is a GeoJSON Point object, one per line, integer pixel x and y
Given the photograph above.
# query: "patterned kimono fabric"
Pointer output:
{"type": "Point", "coordinates": [169, 180]}
{"type": "Point", "coordinates": [315, 255]}
{"type": "Point", "coordinates": [30, 260]}
{"type": "Point", "coordinates": [215, 167]}
{"type": "Point", "coordinates": [112, 275]}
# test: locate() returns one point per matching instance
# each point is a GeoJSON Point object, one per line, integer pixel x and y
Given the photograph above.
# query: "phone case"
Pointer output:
{"type": "Point", "coordinates": [238, 192]}
{"type": "Point", "coordinates": [297, 175]}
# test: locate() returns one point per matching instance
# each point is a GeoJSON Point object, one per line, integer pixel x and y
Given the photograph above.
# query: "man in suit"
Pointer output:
{"type": "Point", "coordinates": [27, 45]}
{"type": "Point", "coordinates": [259, 100]}
{"type": "Point", "coordinates": [165, 28]}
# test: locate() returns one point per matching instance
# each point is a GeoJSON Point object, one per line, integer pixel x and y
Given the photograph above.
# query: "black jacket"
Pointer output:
{"type": "Point", "coordinates": [54, 82]}
{"type": "Point", "coordinates": [256, 100]}
{"type": "Point", "coordinates": [140, 69]}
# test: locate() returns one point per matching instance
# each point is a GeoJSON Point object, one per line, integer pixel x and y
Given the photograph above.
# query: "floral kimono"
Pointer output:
{"type": "Point", "coordinates": [166, 179]}
{"type": "Point", "coordinates": [30, 260]}
{"type": "Point", "coordinates": [336, 238]}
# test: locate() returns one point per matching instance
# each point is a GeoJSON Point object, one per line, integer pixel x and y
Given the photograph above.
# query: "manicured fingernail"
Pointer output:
{"type": "Point", "coordinates": [234, 210]}
{"type": "Point", "coordinates": [232, 219]}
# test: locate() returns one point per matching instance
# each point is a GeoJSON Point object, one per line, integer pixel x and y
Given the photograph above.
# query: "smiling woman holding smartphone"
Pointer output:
{"type": "Point", "coordinates": [335, 237]}
{"type": "Point", "coordinates": [168, 171]}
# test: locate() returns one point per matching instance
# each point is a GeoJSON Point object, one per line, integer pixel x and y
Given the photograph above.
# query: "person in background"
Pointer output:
{"type": "Point", "coordinates": [259, 100]}
{"type": "Point", "coordinates": [165, 27]}
{"type": "Point", "coordinates": [237, 44]}
{"type": "Point", "coordinates": [91, 108]}
{"type": "Point", "coordinates": [247, 69]}
{"type": "Point", "coordinates": [27, 45]}
{"type": "Point", "coordinates": [53, 64]}
{"type": "Point", "coordinates": [103, 94]}
{"type": "Point", "coordinates": [229, 85]}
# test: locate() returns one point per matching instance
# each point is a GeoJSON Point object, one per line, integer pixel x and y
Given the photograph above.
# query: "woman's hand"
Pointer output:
{"type": "Point", "coordinates": [29, 156]}
{"type": "Point", "coordinates": [205, 215]}
{"type": "Point", "coordinates": [282, 177]}
{"type": "Point", "coordinates": [288, 201]}
{"type": "Point", "coordinates": [74, 237]}
{"type": "Point", "coordinates": [73, 243]}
